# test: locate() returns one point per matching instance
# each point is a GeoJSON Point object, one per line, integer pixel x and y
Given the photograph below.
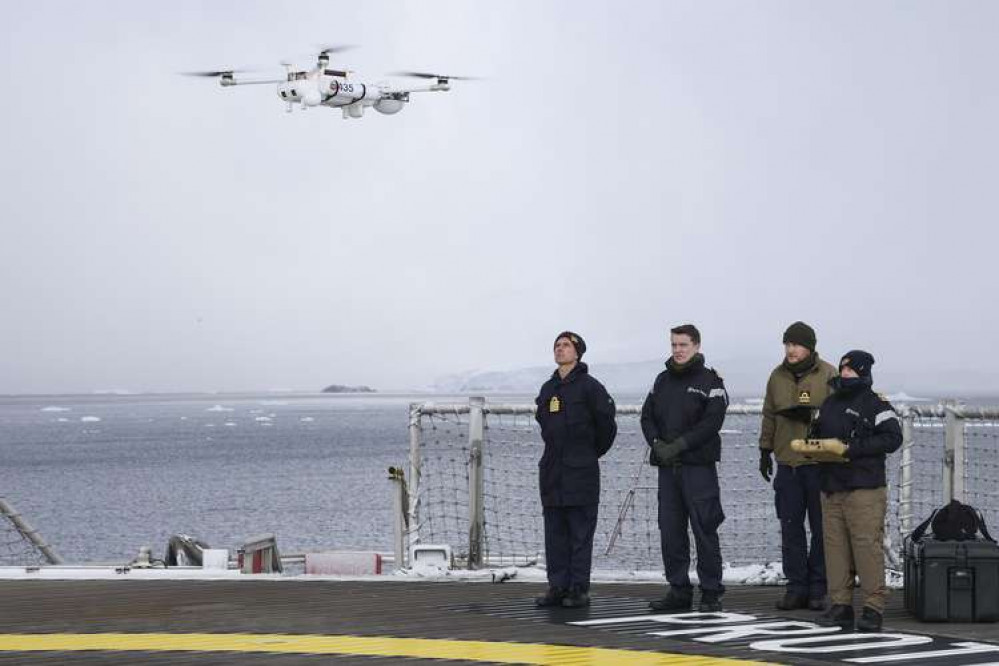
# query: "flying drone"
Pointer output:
{"type": "Point", "coordinates": [334, 88]}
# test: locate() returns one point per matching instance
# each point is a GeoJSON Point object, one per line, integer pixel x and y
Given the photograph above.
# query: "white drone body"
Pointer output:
{"type": "Point", "coordinates": [333, 88]}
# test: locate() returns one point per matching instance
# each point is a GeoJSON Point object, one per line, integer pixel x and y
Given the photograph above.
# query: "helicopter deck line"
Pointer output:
{"type": "Point", "coordinates": [292, 622]}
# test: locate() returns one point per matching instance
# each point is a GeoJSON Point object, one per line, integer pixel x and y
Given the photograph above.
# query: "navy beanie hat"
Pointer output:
{"type": "Point", "coordinates": [859, 360]}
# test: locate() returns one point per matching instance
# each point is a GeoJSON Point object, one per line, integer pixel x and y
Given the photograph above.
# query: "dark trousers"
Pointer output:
{"type": "Point", "coordinates": [689, 494]}
{"type": "Point", "coordinates": [797, 494]}
{"type": "Point", "coordinates": [569, 545]}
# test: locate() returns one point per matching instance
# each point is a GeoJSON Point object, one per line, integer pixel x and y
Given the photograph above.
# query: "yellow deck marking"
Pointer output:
{"type": "Point", "coordinates": [427, 648]}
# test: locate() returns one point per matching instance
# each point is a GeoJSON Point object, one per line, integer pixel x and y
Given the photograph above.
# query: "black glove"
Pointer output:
{"type": "Point", "coordinates": [766, 464]}
{"type": "Point", "coordinates": [667, 452]}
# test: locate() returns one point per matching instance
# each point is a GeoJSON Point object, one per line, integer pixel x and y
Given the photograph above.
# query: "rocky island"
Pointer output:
{"type": "Point", "coordinates": [339, 388]}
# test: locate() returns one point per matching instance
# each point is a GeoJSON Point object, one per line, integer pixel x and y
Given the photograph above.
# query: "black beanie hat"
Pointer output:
{"type": "Point", "coordinates": [802, 334]}
{"type": "Point", "coordinates": [859, 360]}
{"type": "Point", "coordinates": [576, 340]}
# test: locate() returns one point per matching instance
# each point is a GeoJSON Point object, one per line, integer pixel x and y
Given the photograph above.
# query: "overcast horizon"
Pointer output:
{"type": "Point", "coordinates": [618, 169]}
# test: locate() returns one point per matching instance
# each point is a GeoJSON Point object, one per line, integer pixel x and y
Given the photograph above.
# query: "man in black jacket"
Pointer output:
{"type": "Point", "coordinates": [576, 416]}
{"type": "Point", "coordinates": [681, 418]}
{"type": "Point", "coordinates": [864, 428]}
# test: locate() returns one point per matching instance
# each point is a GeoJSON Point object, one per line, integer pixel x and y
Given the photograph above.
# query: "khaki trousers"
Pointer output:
{"type": "Point", "coordinates": [853, 525]}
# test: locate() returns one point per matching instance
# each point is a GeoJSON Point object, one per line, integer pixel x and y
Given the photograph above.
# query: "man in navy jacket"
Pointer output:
{"type": "Point", "coordinates": [577, 422]}
{"type": "Point", "coordinates": [681, 419]}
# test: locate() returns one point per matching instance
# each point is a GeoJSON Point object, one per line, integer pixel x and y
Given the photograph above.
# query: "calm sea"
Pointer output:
{"type": "Point", "coordinates": [98, 476]}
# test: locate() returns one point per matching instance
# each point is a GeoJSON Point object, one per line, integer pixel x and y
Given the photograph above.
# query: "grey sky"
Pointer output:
{"type": "Point", "coordinates": [624, 167]}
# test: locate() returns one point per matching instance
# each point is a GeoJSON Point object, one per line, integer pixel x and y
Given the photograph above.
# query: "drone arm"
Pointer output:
{"type": "Point", "coordinates": [430, 87]}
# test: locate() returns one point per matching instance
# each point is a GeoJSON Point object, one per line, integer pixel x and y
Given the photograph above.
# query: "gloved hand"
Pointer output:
{"type": "Point", "coordinates": [766, 464]}
{"type": "Point", "coordinates": [667, 452]}
{"type": "Point", "coordinates": [822, 450]}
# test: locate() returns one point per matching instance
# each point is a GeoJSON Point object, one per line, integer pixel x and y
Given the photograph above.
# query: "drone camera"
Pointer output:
{"type": "Point", "coordinates": [227, 79]}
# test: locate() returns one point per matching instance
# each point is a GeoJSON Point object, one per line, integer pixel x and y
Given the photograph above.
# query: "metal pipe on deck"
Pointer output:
{"type": "Point", "coordinates": [29, 532]}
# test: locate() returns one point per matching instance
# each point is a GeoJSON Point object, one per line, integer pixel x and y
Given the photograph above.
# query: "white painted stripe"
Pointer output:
{"type": "Point", "coordinates": [959, 649]}
{"type": "Point", "coordinates": [814, 644]}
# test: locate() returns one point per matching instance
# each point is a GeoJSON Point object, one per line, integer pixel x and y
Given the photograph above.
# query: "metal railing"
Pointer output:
{"type": "Point", "coordinates": [472, 483]}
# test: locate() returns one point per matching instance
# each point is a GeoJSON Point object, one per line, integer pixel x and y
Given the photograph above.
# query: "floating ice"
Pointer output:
{"type": "Point", "coordinates": [306, 419]}
{"type": "Point", "coordinates": [90, 419]}
{"type": "Point", "coordinates": [264, 418]}
{"type": "Point", "coordinates": [54, 409]}
{"type": "Point", "coordinates": [229, 424]}
{"type": "Point", "coordinates": [219, 408]}
{"type": "Point", "coordinates": [62, 419]}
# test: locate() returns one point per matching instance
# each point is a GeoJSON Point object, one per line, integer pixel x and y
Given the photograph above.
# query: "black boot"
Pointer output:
{"type": "Point", "coordinates": [576, 598]}
{"type": "Point", "coordinates": [792, 601]}
{"type": "Point", "coordinates": [710, 602]}
{"type": "Point", "coordinates": [674, 602]}
{"type": "Point", "coordinates": [553, 597]}
{"type": "Point", "coordinates": [870, 621]}
{"type": "Point", "coordinates": [839, 615]}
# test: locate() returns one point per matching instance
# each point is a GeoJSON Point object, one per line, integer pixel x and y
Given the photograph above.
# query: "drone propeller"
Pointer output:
{"type": "Point", "coordinates": [326, 49]}
{"type": "Point", "coordinates": [441, 78]}
{"type": "Point", "coordinates": [219, 72]}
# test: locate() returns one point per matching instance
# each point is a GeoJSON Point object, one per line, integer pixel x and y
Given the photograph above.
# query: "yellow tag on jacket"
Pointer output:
{"type": "Point", "coordinates": [554, 405]}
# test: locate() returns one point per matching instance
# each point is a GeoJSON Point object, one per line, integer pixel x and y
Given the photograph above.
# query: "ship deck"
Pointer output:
{"type": "Point", "coordinates": [296, 621]}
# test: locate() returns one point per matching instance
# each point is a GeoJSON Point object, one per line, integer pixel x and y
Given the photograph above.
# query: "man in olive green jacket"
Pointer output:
{"type": "Point", "coordinates": [795, 391]}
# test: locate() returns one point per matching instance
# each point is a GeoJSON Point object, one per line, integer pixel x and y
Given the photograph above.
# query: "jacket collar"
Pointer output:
{"type": "Point", "coordinates": [806, 368]}
{"type": "Point", "coordinates": [580, 369]}
{"type": "Point", "coordinates": [696, 363]}
{"type": "Point", "coordinates": [848, 386]}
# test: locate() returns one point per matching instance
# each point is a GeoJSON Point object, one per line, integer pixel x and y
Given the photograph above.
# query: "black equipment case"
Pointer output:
{"type": "Point", "coordinates": [952, 581]}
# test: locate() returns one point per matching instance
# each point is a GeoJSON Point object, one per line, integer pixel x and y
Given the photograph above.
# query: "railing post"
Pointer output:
{"type": "Point", "coordinates": [954, 427]}
{"type": "Point", "coordinates": [905, 475]}
{"type": "Point", "coordinates": [413, 488]}
{"type": "Point", "coordinates": [399, 518]}
{"type": "Point", "coordinates": [476, 509]}
{"type": "Point", "coordinates": [950, 426]}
